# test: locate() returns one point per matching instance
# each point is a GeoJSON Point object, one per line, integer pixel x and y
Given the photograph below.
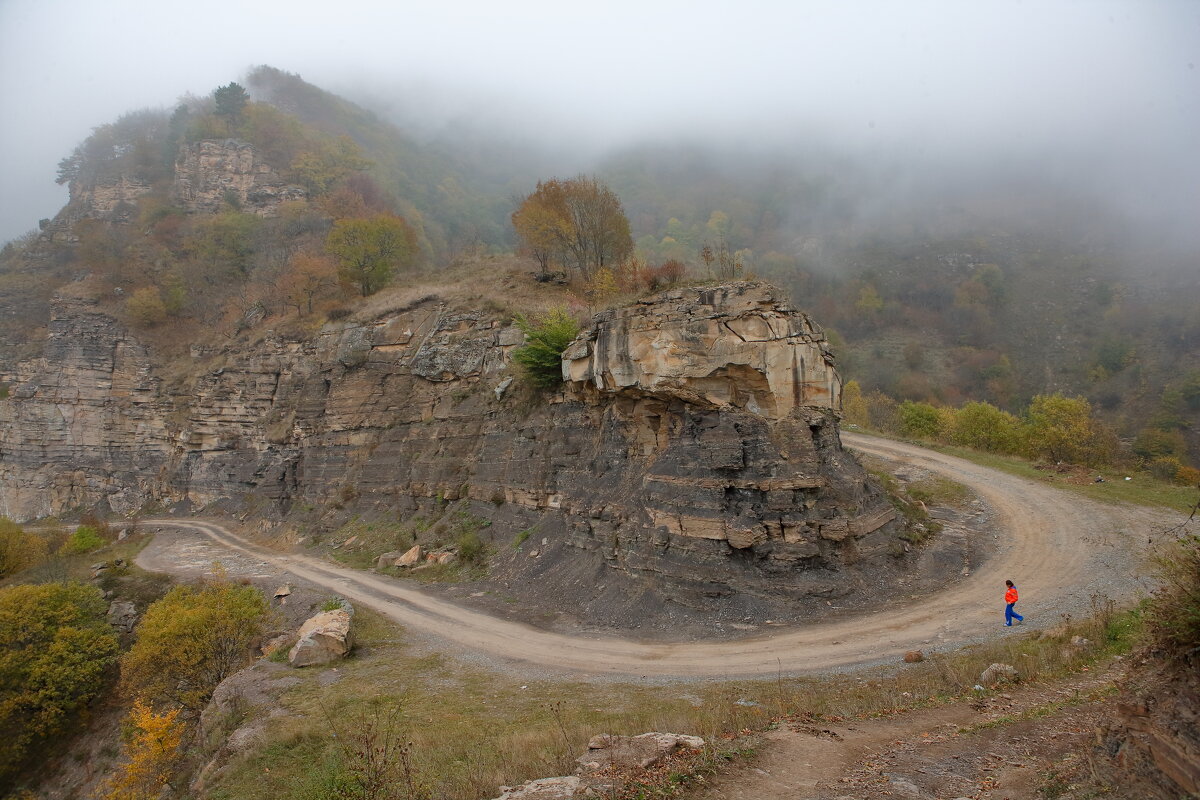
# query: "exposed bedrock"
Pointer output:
{"type": "Point", "coordinates": [695, 442]}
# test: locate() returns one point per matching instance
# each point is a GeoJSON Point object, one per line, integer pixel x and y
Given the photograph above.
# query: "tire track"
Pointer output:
{"type": "Point", "coordinates": [1048, 546]}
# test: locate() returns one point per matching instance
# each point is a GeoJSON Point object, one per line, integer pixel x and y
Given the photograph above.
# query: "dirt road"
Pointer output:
{"type": "Point", "coordinates": [1060, 549]}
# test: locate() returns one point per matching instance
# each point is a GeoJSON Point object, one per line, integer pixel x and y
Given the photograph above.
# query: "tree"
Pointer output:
{"type": "Point", "coordinates": [541, 226]}
{"type": "Point", "coordinates": [19, 550]}
{"type": "Point", "coordinates": [306, 278]}
{"type": "Point", "coordinates": [545, 340]}
{"type": "Point", "coordinates": [191, 640]}
{"type": "Point", "coordinates": [55, 652]}
{"type": "Point", "coordinates": [328, 161]}
{"type": "Point", "coordinates": [225, 243]}
{"type": "Point", "coordinates": [151, 750]}
{"type": "Point", "coordinates": [370, 250]}
{"type": "Point", "coordinates": [230, 100]}
{"type": "Point", "coordinates": [579, 220]}
{"type": "Point", "coordinates": [1061, 429]}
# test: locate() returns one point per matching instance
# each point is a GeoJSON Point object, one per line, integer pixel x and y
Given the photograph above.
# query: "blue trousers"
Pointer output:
{"type": "Point", "coordinates": [1010, 615]}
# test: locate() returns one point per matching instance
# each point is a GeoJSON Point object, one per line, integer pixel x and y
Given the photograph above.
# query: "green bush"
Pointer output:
{"type": "Point", "coordinates": [56, 649]}
{"type": "Point", "coordinates": [919, 419]}
{"type": "Point", "coordinates": [85, 539]}
{"type": "Point", "coordinates": [545, 340]}
{"type": "Point", "coordinates": [982, 426]}
{"type": "Point", "coordinates": [471, 548]}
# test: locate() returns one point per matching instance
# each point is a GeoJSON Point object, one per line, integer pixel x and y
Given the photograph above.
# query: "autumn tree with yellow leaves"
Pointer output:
{"type": "Point", "coordinates": [578, 222]}
{"type": "Point", "coordinates": [151, 750]}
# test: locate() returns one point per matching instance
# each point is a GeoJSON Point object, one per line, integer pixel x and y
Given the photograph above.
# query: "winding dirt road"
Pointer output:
{"type": "Point", "coordinates": [1061, 550]}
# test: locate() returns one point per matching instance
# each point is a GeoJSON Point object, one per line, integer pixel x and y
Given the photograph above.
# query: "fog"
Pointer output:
{"type": "Point", "coordinates": [1104, 96]}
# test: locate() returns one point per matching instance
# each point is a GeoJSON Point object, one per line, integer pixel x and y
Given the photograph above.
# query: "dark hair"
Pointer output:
{"type": "Point", "coordinates": [1008, 583]}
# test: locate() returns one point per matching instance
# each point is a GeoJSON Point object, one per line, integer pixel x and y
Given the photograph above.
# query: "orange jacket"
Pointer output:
{"type": "Point", "coordinates": [1011, 595]}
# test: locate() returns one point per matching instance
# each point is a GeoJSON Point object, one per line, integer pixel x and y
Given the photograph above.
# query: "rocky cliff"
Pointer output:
{"type": "Point", "coordinates": [211, 173]}
{"type": "Point", "coordinates": [695, 441]}
{"type": "Point", "coordinates": [208, 175]}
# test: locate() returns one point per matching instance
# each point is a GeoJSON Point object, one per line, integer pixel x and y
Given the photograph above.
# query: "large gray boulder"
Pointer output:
{"type": "Point", "coordinates": [324, 638]}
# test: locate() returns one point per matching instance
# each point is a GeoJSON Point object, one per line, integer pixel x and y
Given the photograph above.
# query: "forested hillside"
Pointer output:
{"type": "Point", "coordinates": [994, 283]}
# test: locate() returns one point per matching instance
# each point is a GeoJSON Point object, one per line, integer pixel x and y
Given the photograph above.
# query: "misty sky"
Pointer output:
{"type": "Point", "coordinates": [1114, 82]}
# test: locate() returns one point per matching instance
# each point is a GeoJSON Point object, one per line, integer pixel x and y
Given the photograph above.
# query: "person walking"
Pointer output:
{"type": "Point", "coordinates": [1010, 600]}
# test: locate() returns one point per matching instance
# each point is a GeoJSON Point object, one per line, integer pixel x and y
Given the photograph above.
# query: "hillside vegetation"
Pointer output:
{"type": "Point", "coordinates": [988, 291]}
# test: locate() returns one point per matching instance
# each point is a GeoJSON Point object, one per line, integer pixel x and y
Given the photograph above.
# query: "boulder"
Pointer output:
{"type": "Point", "coordinates": [324, 638]}
{"type": "Point", "coordinates": [387, 559]}
{"type": "Point", "coordinates": [122, 614]}
{"type": "Point", "coordinates": [568, 787]}
{"type": "Point", "coordinates": [410, 557]}
{"type": "Point", "coordinates": [643, 751]}
{"type": "Point", "coordinates": [998, 673]}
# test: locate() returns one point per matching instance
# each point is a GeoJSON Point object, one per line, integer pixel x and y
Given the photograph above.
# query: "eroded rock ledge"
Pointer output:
{"type": "Point", "coordinates": [739, 346]}
{"type": "Point", "coordinates": [695, 445]}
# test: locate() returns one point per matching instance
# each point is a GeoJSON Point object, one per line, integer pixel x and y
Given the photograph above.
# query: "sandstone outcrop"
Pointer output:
{"type": "Point", "coordinates": [324, 638]}
{"type": "Point", "coordinates": [722, 347]}
{"type": "Point", "coordinates": [112, 200]}
{"type": "Point", "coordinates": [594, 775]}
{"type": "Point", "coordinates": [717, 478]}
{"type": "Point", "coordinates": [211, 173]}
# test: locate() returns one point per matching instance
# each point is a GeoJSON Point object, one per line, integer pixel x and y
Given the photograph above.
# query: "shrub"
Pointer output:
{"type": "Point", "coordinates": [1188, 476]}
{"type": "Point", "coordinates": [1174, 613]}
{"type": "Point", "coordinates": [919, 419]}
{"type": "Point", "coordinates": [471, 548]}
{"type": "Point", "coordinates": [1165, 468]}
{"type": "Point", "coordinates": [1061, 428]}
{"type": "Point", "coordinates": [85, 539]}
{"type": "Point", "coordinates": [55, 651]}
{"type": "Point", "coordinates": [146, 307]}
{"type": "Point", "coordinates": [546, 339]}
{"type": "Point", "coordinates": [191, 640]}
{"type": "Point", "coordinates": [19, 550]}
{"type": "Point", "coordinates": [985, 427]}
{"type": "Point", "coordinates": [151, 751]}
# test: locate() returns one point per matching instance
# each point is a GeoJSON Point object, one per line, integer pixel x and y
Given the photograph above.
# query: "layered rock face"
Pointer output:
{"type": "Point", "coordinates": [85, 423]}
{"type": "Point", "coordinates": [695, 442]}
{"type": "Point", "coordinates": [722, 347]}
{"type": "Point", "coordinates": [112, 201]}
{"type": "Point", "coordinates": [210, 173]}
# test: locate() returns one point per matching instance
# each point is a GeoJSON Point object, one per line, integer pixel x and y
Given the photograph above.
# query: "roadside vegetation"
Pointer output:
{"type": "Point", "coordinates": [1056, 439]}
{"type": "Point", "coordinates": [447, 527]}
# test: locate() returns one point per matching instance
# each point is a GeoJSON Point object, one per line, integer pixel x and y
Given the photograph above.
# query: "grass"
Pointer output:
{"type": "Point", "coordinates": [1043, 710]}
{"type": "Point", "coordinates": [446, 526]}
{"type": "Point", "coordinates": [468, 730]}
{"type": "Point", "coordinates": [936, 490]}
{"type": "Point", "coordinates": [918, 524]}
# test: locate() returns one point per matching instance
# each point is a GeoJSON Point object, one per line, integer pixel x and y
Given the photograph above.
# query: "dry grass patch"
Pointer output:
{"type": "Point", "coordinates": [465, 731]}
